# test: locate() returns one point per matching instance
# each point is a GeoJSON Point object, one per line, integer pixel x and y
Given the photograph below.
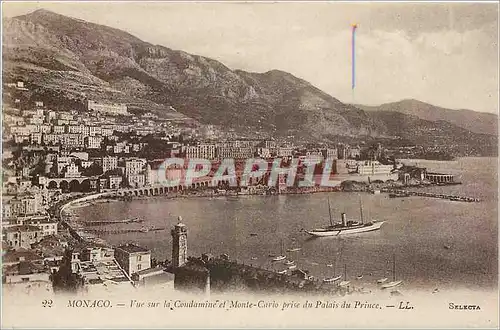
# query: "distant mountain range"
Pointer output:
{"type": "Point", "coordinates": [477, 122]}
{"type": "Point", "coordinates": [71, 59]}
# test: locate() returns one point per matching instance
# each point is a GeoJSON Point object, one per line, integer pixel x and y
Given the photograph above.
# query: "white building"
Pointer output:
{"type": "Point", "coordinates": [93, 142]}
{"type": "Point", "coordinates": [109, 163]}
{"type": "Point", "coordinates": [111, 108]}
{"type": "Point", "coordinates": [134, 166]}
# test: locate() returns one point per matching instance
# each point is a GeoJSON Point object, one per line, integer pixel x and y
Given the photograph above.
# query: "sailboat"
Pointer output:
{"type": "Point", "coordinates": [345, 282]}
{"type": "Point", "coordinates": [393, 283]}
{"type": "Point", "coordinates": [334, 278]}
{"type": "Point", "coordinates": [281, 256]}
{"type": "Point", "coordinates": [347, 226]}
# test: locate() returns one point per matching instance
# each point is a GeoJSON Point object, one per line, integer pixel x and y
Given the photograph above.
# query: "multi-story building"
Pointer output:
{"type": "Point", "coordinates": [35, 120]}
{"type": "Point", "coordinates": [205, 151]}
{"type": "Point", "coordinates": [71, 140]}
{"type": "Point", "coordinates": [330, 153]}
{"type": "Point", "coordinates": [235, 152]}
{"type": "Point", "coordinates": [58, 129]}
{"type": "Point", "coordinates": [264, 152]}
{"type": "Point", "coordinates": [95, 130]}
{"type": "Point", "coordinates": [373, 168]}
{"type": "Point", "coordinates": [134, 166]}
{"type": "Point", "coordinates": [115, 181]}
{"type": "Point", "coordinates": [109, 163]}
{"type": "Point", "coordinates": [107, 131]}
{"type": "Point", "coordinates": [65, 116]}
{"type": "Point", "coordinates": [285, 151]}
{"type": "Point", "coordinates": [36, 138]}
{"type": "Point", "coordinates": [62, 122]}
{"type": "Point", "coordinates": [45, 129]}
{"type": "Point", "coordinates": [72, 171]}
{"type": "Point", "coordinates": [50, 139]}
{"type": "Point", "coordinates": [78, 129]}
{"type": "Point", "coordinates": [133, 258]}
{"type": "Point", "coordinates": [25, 204]}
{"type": "Point", "coordinates": [355, 152]}
{"type": "Point", "coordinates": [62, 162]}
{"type": "Point", "coordinates": [51, 115]}
{"type": "Point", "coordinates": [93, 142]}
{"type": "Point", "coordinates": [22, 236]}
{"type": "Point", "coordinates": [44, 223]}
{"type": "Point", "coordinates": [111, 108]}
{"type": "Point", "coordinates": [136, 180]}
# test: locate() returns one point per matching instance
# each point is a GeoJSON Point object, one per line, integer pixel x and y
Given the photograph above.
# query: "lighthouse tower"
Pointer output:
{"type": "Point", "coordinates": [179, 244]}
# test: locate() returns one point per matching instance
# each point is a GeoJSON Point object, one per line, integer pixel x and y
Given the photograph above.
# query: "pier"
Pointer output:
{"type": "Point", "coordinates": [111, 222]}
{"type": "Point", "coordinates": [407, 193]}
{"type": "Point", "coordinates": [124, 231]}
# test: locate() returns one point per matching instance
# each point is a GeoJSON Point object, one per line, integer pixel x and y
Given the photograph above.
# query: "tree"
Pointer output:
{"type": "Point", "coordinates": [93, 170]}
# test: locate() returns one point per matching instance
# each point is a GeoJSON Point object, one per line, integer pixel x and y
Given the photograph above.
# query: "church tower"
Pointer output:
{"type": "Point", "coordinates": [179, 244]}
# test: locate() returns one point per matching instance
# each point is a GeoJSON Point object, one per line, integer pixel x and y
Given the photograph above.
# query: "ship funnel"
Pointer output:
{"type": "Point", "coordinates": [344, 220]}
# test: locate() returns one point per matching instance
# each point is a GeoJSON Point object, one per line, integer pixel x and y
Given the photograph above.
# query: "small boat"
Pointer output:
{"type": "Point", "coordinates": [359, 277]}
{"type": "Point", "coordinates": [393, 283]}
{"type": "Point", "coordinates": [345, 282]}
{"type": "Point", "coordinates": [346, 227]}
{"type": "Point", "coordinates": [332, 279]}
{"type": "Point", "coordinates": [253, 234]}
{"type": "Point", "coordinates": [436, 290]}
{"type": "Point", "coordinates": [281, 256]}
{"type": "Point", "coordinates": [289, 262]}
{"type": "Point", "coordinates": [294, 250]}
{"type": "Point", "coordinates": [382, 280]}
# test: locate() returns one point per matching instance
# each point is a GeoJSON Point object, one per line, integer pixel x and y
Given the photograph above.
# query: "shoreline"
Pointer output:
{"type": "Point", "coordinates": [112, 196]}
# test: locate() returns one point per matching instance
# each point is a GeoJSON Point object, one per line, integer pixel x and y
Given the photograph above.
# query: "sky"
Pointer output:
{"type": "Point", "coordinates": [445, 54]}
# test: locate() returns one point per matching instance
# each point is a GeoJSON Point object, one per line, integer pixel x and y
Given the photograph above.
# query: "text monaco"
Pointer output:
{"type": "Point", "coordinates": [254, 168]}
{"type": "Point", "coordinates": [89, 303]}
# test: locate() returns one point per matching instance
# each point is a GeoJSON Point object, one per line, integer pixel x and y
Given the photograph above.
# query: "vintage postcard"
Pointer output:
{"type": "Point", "coordinates": [249, 165]}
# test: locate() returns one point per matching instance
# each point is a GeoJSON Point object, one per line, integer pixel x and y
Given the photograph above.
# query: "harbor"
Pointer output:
{"type": "Point", "coordinates": [253, 235]}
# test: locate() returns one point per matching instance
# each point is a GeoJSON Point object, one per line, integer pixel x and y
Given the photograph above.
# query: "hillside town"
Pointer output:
{"type": "Point", "coordinates": [54, 157]}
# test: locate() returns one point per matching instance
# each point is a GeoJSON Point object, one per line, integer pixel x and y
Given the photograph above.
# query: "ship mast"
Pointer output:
{"type": "Point", "coordinates": [361, 210]}
{"type": "Point", "coordinates": [330, 212]}
{"type": "Point", "coordinates": [394, 267]}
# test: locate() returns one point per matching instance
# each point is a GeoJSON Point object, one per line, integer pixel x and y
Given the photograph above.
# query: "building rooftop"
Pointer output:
{"type": "Point", "coordinates": [12, 256]}
{"type": "Point", "coordinates": [132, 248]}
{"type": "Point", "coordinates": [22, 228]}
{"type": "Point", "coordinates": [151, 271]}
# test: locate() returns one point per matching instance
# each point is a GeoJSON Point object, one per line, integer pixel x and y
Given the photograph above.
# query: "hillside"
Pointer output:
{"type": "Point", "coordinates": [85, 60]}
{"type": "Point", "coordinates": [63, 59]}
{"type": "Point", "coordinates": [477, 122]}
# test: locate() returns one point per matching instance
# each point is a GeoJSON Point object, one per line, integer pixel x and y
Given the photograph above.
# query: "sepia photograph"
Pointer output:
{"type": "Point", "coordinates": [250, 164]}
